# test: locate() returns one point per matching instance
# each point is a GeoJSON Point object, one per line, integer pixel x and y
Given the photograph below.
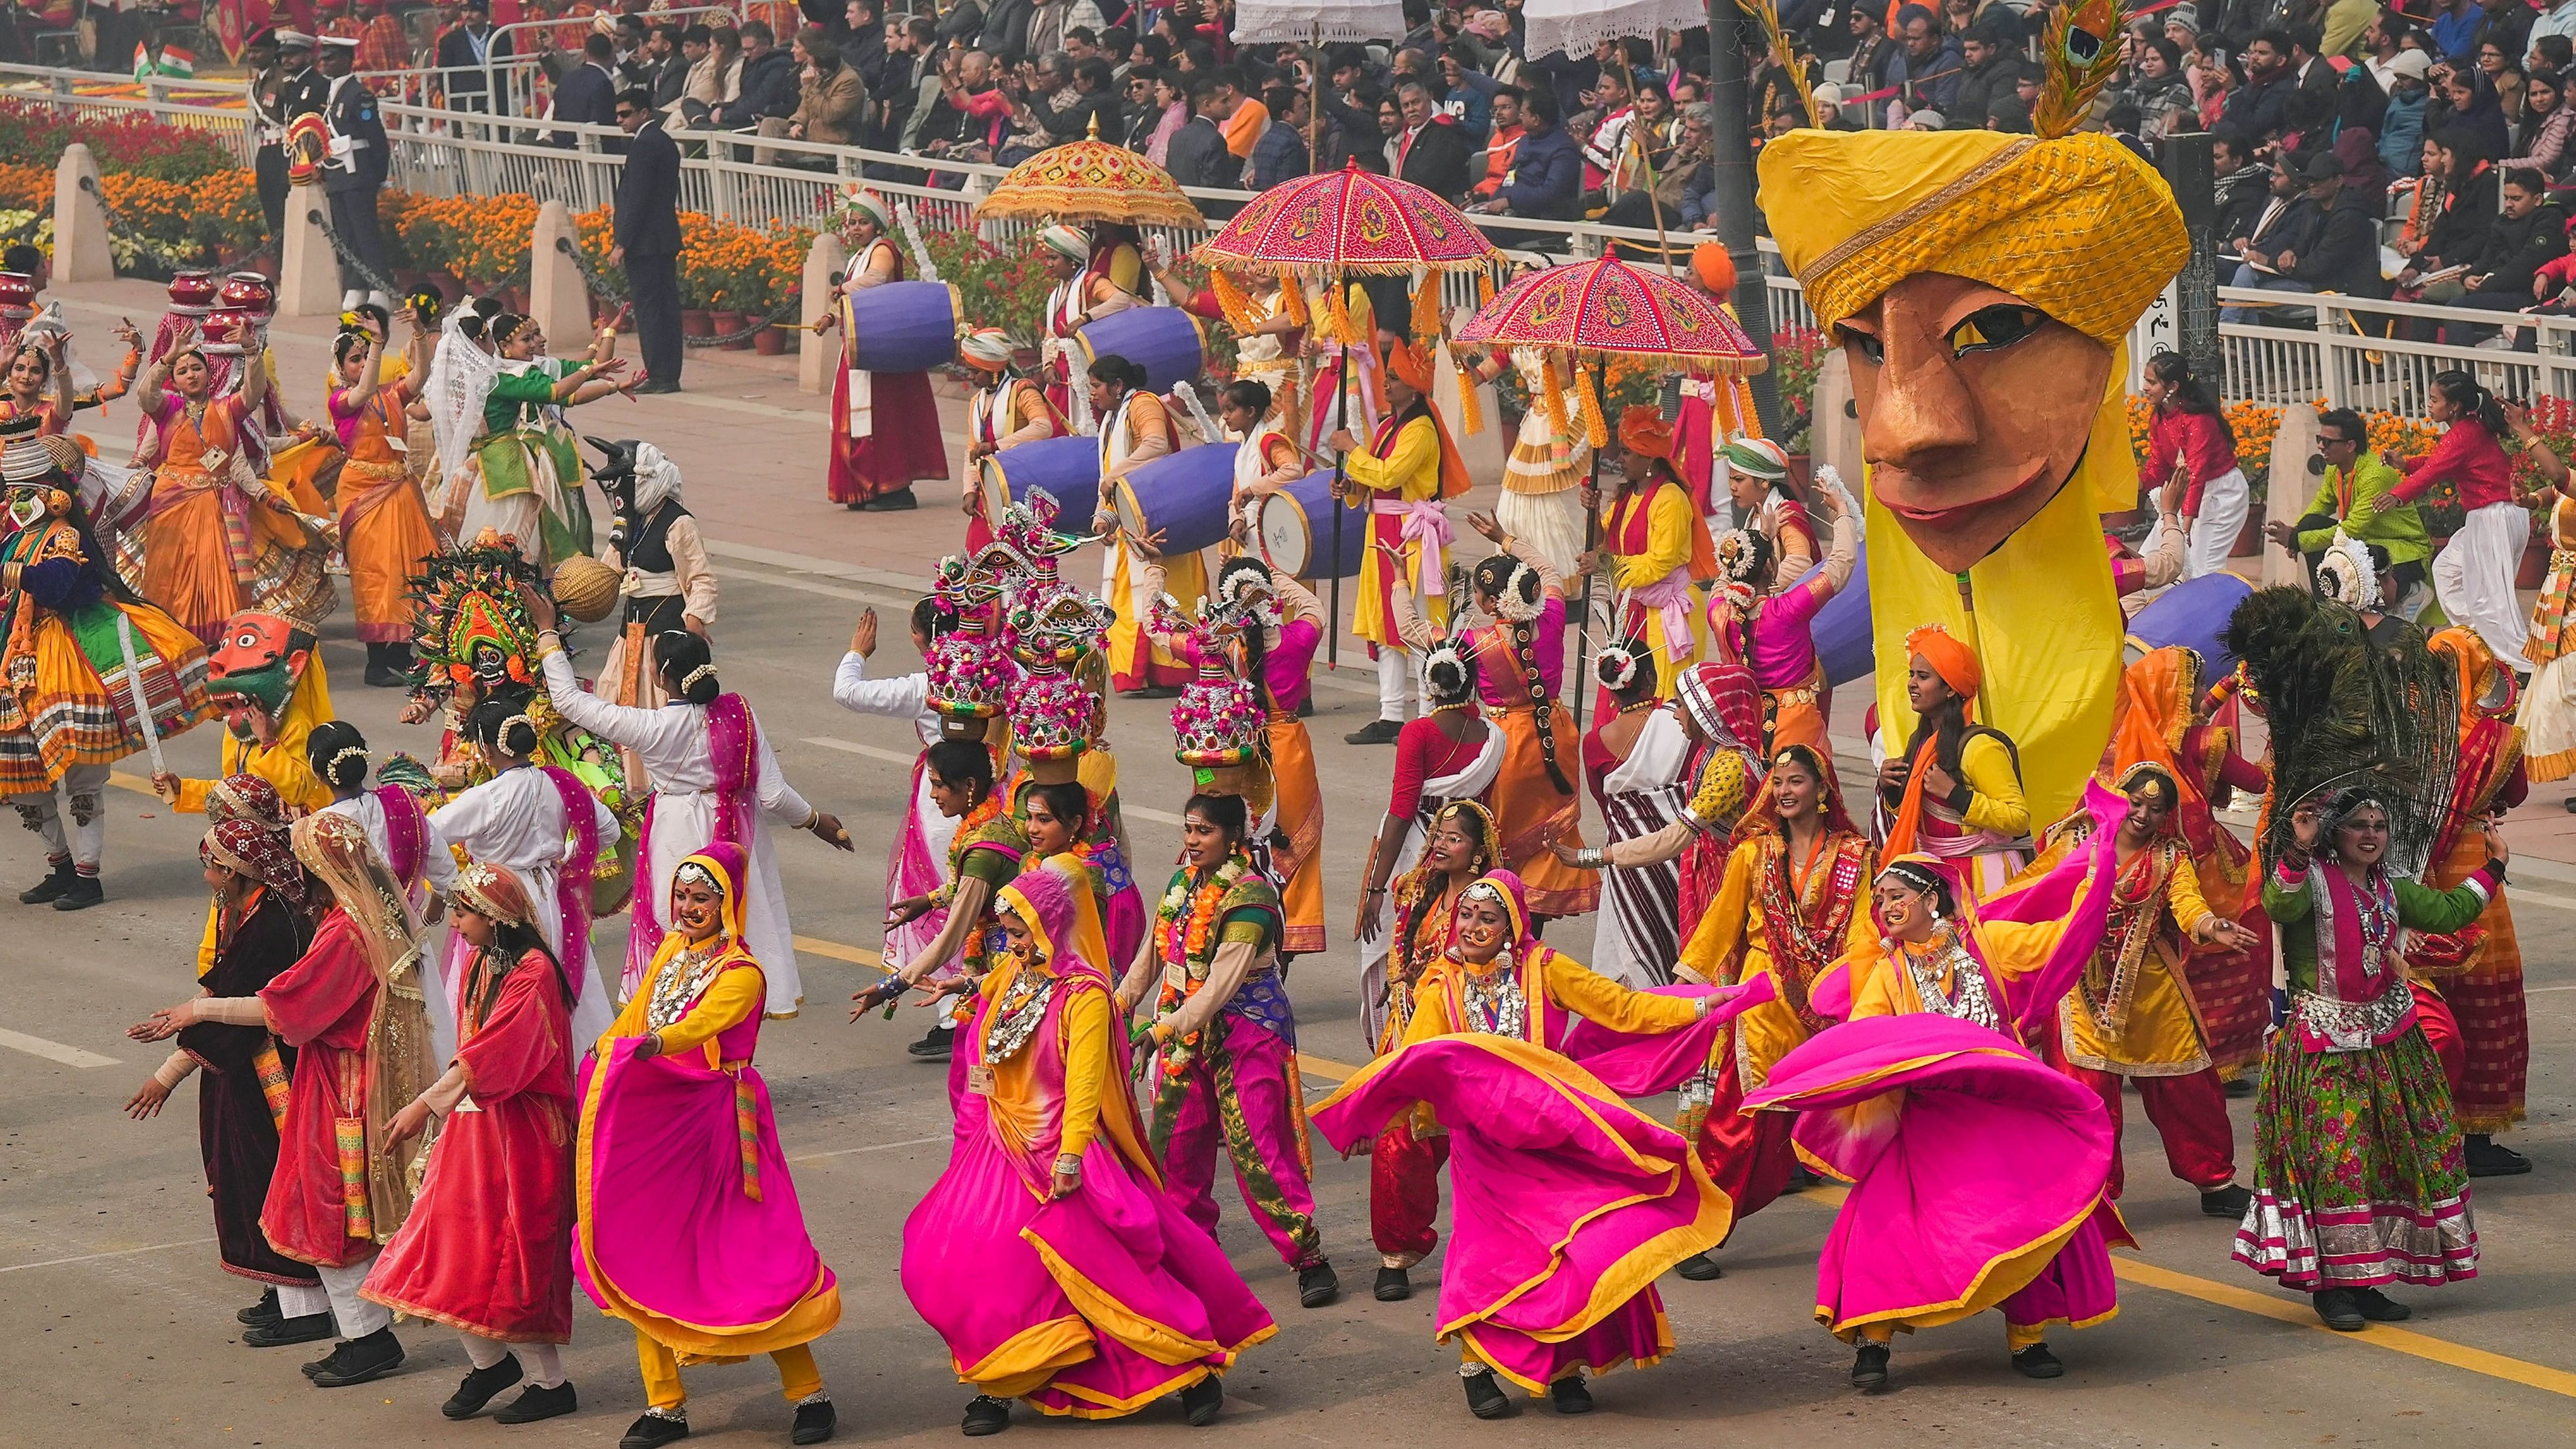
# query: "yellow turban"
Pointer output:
{"type": "Point", "coordinates": [2078, 227]}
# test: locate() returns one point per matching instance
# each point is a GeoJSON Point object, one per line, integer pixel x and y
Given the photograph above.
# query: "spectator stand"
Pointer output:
{"type": "Point", "coordinates": [2340, 356]}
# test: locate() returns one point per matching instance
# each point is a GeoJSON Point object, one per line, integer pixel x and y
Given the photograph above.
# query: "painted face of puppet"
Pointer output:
{"type": "Point", "coordinates": [27, 506]}
{"type": "Point", "coordinates": [1975, 408]}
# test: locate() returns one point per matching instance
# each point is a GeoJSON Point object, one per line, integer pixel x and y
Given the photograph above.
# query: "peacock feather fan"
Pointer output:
{"type": "Point", "coordinates": [2349, 713]}
{"type": "Point", "coordinates": [2078, 55]}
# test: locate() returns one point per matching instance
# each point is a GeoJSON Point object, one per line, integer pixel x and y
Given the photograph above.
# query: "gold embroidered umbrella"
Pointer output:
{"type": "Point", "coordinates": [1090, 180]}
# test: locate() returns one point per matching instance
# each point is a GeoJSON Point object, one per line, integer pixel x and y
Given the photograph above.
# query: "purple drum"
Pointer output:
{"type": "Point", "coordinates": [1170, 344]}
{"type": "Point", "coordinates": [904, 326]}
{"type": "Point", "coordinates": [2193, 612]}
{"type": "Point", "coordinates": [1184, 497]}
{"type": "Point", "coordinates": [1291, 529]}
{"type": "Point", "coordinates": [1841, 628]}
{"type": "Point", "coordinates": [1067, 468]}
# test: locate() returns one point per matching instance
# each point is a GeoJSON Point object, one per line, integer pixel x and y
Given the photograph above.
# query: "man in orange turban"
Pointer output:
{"type": "Point", "coordinates": [1405, 470]}
{"type": "Point", "coordinates": [1653, 545]}
{"type": "Point", "coordinates": [1956, 786]}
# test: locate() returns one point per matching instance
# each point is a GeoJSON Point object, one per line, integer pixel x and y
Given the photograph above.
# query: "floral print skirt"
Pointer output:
{"type": "Point", "coordinates": [2358, 1176]}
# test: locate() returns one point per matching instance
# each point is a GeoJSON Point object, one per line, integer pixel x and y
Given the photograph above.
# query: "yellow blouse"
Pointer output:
{"type": "Point", "coordinates": [1767, 1032]}
{"type": "Point", "coordinates": [1411, 468]}
{"type": "Point", "coordinates": [1668, 538]}
{"type": "Point", "coordinates": [1567, 985]}
{"type": "Point", "coordinates": [1996, 802]}
{"type": "Point", "coordinates": [1017, 1105]}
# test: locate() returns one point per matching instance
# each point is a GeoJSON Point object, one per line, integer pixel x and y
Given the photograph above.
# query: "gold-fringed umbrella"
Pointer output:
{"type": "Point", "coordinates": [1330, 227]}
{"type": "Point", "coordinates": [1090, 180]}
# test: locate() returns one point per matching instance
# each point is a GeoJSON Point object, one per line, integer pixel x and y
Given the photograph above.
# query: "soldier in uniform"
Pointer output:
{"type": "Point", "coordinates": [354, 172]}
{"type": "Point", "coordinates": [284, 85]}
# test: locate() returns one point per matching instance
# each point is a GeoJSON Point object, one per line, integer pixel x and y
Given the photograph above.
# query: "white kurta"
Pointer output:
{"type": "Point", "coordinates": [516, 820]}
{"type": "Point", "coordinates": [917, 860]}
{"type": "Point", "coordinates": [438, 873]}
{"type": "Point", "coordinates": [672, 742]}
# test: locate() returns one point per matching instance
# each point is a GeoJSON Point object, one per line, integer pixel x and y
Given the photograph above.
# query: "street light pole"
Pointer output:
{"type": "Point", "coordinates": [1731, 154]}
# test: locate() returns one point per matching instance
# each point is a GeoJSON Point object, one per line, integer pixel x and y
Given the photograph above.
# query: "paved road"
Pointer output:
{"type": "Point", "coordinates": [117, 1325]}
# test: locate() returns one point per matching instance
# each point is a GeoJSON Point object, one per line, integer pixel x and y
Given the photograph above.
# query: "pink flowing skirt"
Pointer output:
{"type": "Point", "coordinates": [1978, 1176]}
{"type": "Point", "coordinates": [1093, 1305]}
{"type": "Point", "coordinates": [1567, 1202]}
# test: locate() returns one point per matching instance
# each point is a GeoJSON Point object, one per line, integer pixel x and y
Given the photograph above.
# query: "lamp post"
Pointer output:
{"type": "Point", "coordinates": [1731, 154]}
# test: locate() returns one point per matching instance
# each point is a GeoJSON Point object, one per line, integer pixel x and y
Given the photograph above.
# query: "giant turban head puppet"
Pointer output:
{"type": "Point", "coordinates": [1982, 286]}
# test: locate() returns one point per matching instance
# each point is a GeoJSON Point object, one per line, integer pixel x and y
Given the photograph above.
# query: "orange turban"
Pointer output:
{"type": "Point", "coordinates": [1411, 366]}
{"type": "Point", "coordinates": [1643, 430]}
{"type": "Point", "coordinates": [1714, 268]}
{"type": "Point", "coordinates": [1955, 662]}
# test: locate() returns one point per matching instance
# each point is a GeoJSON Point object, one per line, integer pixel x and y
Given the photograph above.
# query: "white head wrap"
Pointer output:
{"type": "Point", "coordinates": [656, 478]}
{"type": "Point", "coordinates": [1065, 242]}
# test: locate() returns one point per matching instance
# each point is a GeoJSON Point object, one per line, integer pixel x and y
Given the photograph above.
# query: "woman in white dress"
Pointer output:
{"type": "Point", "coordinates": [714, 778]}
{"type": "Point", "coordinates": [522, 819]}
{"type": "Point", "coordinates": [916, 864]}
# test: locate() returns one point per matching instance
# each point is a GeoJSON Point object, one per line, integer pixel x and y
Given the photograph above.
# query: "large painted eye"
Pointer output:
{"type": "Point", "coordinates": [1868, 344]}
{"type": "Point", "coordinates": [1990, 328]}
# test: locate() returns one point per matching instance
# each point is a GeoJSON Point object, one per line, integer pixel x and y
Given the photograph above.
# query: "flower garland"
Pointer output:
{"type": "Point", "coordinates": [1185, 922]}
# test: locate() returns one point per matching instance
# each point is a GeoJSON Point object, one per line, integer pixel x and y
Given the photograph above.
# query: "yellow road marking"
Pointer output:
{"type": "Point", "coordinates": [855, 955]}
{"type": "Point", "coordinates": [2300, 1315]}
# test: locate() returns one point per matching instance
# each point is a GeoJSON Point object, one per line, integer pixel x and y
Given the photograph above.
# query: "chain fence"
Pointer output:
{"type": "Point", "coordinates": [617, 295]}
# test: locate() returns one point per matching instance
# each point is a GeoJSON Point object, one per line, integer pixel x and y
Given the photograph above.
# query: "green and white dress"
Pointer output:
{"type": "Point", "coordinates": [527, 466]}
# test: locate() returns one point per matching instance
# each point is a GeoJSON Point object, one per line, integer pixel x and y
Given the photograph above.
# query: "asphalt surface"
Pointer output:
{"type": "Point", "coordinates": [116, 1325]}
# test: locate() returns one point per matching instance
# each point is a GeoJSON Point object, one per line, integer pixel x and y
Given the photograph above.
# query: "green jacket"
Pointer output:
{"type": "Point", "coordinates": [2292, 909]}
{"type": "Point", "coordinates": [2399, 528]}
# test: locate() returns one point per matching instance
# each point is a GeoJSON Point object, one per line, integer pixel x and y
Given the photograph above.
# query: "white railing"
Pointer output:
{"type": "Point", "coordinates": [2339, 359]}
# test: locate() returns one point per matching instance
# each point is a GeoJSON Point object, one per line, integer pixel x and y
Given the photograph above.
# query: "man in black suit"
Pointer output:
{"type": "Point", "coordinates": [1434, 150]}
{"type": "Point", "coordinates": [1197, 155]}
{"type": "Point", "coordinates": [353, 172]}
{"type": "Point", "coordinates": [462, 52]}
{"type": "Point", "coordinates": [588, 93]}
{"type": "Point", "coordinates": [646, 237]}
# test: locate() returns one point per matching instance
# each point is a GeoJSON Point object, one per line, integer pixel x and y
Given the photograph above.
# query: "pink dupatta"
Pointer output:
{"type": "Point", "coordinates": [572, 880]}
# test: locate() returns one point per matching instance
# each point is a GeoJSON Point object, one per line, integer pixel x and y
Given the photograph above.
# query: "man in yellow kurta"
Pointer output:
{"type": "Point", "coordinates": [1983, 285]}
{"type": "Point", "coordinates": [1654, 545]}
{"type": "Point", "coordinates": [1405, 471]}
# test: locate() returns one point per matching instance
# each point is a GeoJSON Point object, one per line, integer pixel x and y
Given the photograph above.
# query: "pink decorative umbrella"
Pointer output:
{"type": "Point", "coordinates": [1348, 221]}
{"type": "Point", "coordinates": [1606, 310]}
{"type": "Point", "coordinates": [1598, 312]}
{"type": "Point", "coordinates": [1332, 225]}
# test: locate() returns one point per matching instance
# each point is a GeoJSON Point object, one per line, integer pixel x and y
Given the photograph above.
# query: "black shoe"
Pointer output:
{"type": "Point", "coordinates": [538, 1402]}
{"type": "Point", "coordinates": [2036, 1362]}
{"type": "Point", "coordinates": [2240, 1087]}
{"type": "Point", "coordinates": [1318, 1286]}
{"type": "Point", "coordinates": [652, 1431]}
{"type": "Point", "coordinates": [1201, 1402]}
{"type": "Point", "coordinates": [1375, 732]}
{"type": "Point", "coordinates": [51, 888]}
{"type": "Point", "coordinates": [2230, 1201]}
{"type": "Point", "coordinates": [655, 385]}
{"type": "Point", "coordinates": [1152, 691]}
{"type": "Point", "coordinates": [1699, 1268]}
{"type": "Point", "coordinates": [1485, 1398]}
{"type": "Point", "coordinates": [1394, 1285]}
{"type": "Point", "coordinates": [986, 1415]}
{"type": "Point", "coordinates": [480, 1386]}
{"type": "Point", "coordinates": [385, 676]}
{"type": "Point", "coordinates": [2339, 1309]}
{"type": "Point", "coordinates": [1306, 707]}
{"type": "Point", "coordinates": [899, 501]}
{"type": "Point", "coordinates": [2485, 1158]}
{"type": "Point", "coordinates": [362, 1360]}
{"type": "Point", "coordinates": [2378, 1307]}
{"type": "Point", "coordinates": [279, 1332]}
{"type": "Point", "coordinates": [1570, 1396]}
{"type": "Point", "coordinates": [326, 1360]}
{"type": "Point", "coordinates": [815, 1422]}
{"type": "Point", "coordinates": [264, 1311]}
{"type": "Point", "coordinates": [80, 895]}
{"type": "Point", "coordinates": [935, 1044]}
{"type": "Point", "coordinates": [1869, 1366]}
